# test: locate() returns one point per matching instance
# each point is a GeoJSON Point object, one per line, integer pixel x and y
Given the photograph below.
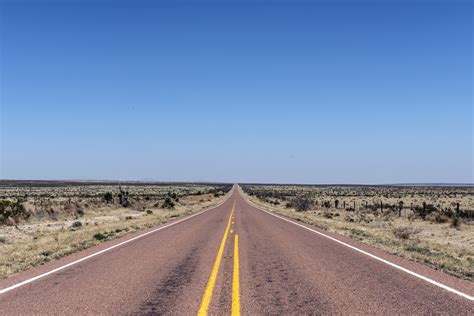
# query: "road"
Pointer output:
{"type": "Point", "coordinates": [234, 259]}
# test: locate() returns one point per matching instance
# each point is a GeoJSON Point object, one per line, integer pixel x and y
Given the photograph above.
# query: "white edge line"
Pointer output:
{"type": "Point", "coordinates": [396, 266]}
{"type": "Point", "coordinates": [5, 290]}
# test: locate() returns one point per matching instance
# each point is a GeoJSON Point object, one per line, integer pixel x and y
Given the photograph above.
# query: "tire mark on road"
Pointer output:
{"type": "Point", "coordinates": [161, 301]}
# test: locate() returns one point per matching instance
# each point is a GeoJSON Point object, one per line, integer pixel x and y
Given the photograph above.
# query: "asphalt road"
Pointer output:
{"type": "Point", "coordinates": [199, 265]}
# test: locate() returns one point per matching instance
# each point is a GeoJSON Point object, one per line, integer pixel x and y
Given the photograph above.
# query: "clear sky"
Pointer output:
{"type": "Point", "coordinates": [238, 91]}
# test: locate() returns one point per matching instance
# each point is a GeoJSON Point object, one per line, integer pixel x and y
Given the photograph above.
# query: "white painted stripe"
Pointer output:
{"type": "Point", "coordinates": [396, 266]}
{"type": "Point", "coordinates": [5, 290]}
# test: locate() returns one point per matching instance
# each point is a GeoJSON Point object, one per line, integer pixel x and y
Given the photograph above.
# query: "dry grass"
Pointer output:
{"type": "Point", "coordinates": [43, 238]}
{"type": "Point", "coordinates": [433, 242]}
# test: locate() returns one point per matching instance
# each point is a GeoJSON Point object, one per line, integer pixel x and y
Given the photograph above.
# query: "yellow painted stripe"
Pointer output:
{"type": "Point", "coordinates": [206, 299]}
{"type": "Point", "coordinates": [236, 280]}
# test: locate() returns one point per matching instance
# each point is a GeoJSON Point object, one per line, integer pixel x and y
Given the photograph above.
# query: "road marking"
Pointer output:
{"type": "Point", "coordinates": [5, 290]}
{"type": "Point", "coordinates": [396, 266]}
{"type": "Point", "coordinates": [236, 280]}
{"type": "Point", "coordinates": [206, 299]}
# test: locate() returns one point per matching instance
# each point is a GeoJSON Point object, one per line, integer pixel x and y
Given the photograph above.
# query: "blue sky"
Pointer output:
{"type": "Point", "coordinates": [254, 91]}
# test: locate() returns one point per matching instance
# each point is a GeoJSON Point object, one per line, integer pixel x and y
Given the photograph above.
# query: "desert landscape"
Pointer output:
{"type": "Point", "coordinates": [433, 225]}
{"type": "Point", "coordinates": [236, 157]}
{"type": "Point", "coordinates": [42, 221]}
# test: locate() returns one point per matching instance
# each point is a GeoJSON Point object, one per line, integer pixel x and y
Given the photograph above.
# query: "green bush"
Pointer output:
{"type": "Point", "coordinates": [108, 197]}
{"type": "Point", "coordinates": [100, 236]}
{"type": "Point", "coordinates": [168, 203]}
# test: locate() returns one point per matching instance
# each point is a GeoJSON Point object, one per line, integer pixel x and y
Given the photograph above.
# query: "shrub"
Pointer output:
{"type": "Point", "coordinates": [328, 214]}
{"type": "Point", "coordinates": [437, 218]}
{"type": "Point", "coordinates": [76, 224]}
{"type": "Point", "coordinates": [108, 197]}
{"type": "Point", "coordinates": [326, 204]}
{"type": "Point", "coordinates": [424, 210]}
{"type": "Point", "coordinates": [302, 204]}
{"type": "Point", "coordinates": [456, 222]}
{"type": "Point", "coordinates": [405, 232]}
{"type": "Point", "coordinates": [100, 236]}
{"type": "Point", "coordinates": [12, 211]}
{"type": "Point", "coordinates": [168, 203]}
{"type": "Point", "coordinates": [79, 211]}
{"type": "Point", "coordinates": [123, 197]}
{"type": "Point", "coordinates": [149, 211]}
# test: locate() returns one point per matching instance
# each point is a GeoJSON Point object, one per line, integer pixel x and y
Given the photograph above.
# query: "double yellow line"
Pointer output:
{"type": "Point", "coordinates": [206, 299]}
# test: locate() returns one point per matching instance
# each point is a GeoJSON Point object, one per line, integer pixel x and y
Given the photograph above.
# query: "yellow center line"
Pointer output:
{"type": "Point", "coordinates": [236, 280]}
{"type": "Point", "coordinates": [206, 299]}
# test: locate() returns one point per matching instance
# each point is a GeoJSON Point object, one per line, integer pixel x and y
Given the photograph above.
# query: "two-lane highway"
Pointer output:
{"type": "Point", "coordinates": [231, 259]}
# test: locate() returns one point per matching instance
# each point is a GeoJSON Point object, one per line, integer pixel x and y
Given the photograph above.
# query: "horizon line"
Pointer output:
{"type": "Point", "coordinates": [149, 181]}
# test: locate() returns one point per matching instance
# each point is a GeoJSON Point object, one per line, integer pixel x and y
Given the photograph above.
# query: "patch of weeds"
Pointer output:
{"type": "Point", "coordinates": [456, 222]}
{"type": "Point", "coordinates": [328, 215]}
{"type": "Point", "coordinates": [76, 225]}
{"type": "Point", "coordinates": [103, 236]}
{"type": "Point", "coordinates": [422, 250]}
{"type": "Point", "coordinates": [3, 240]}
{"type": "Point", "coordinates": [358, 232]}
{"type": "Point", "coordinates": [437, 218]}
{"type": "Point", "coordinates": [100, 236]}
{"type": "Point", "coordinates": [46, 253]}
